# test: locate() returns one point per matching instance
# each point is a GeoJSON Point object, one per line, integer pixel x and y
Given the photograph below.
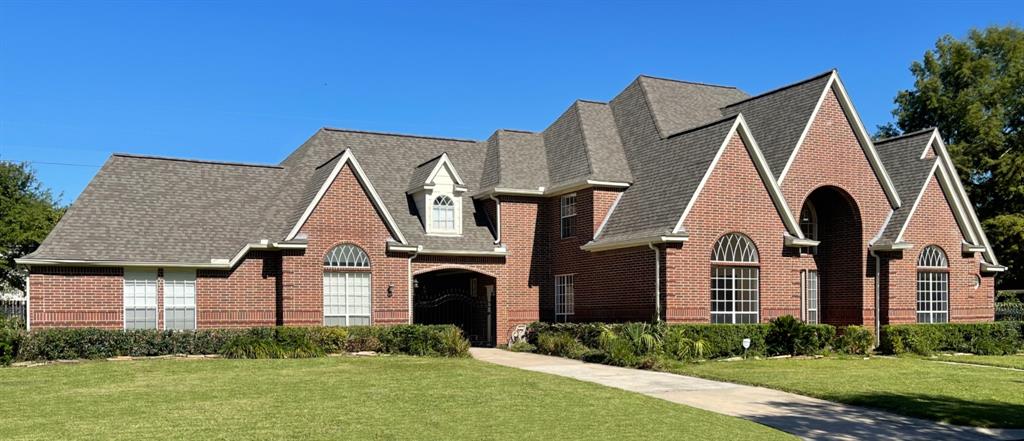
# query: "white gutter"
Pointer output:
{"type": "Point", "coordinates": [796, 242]}
{"type": "Point", "coordinates": [657, 281]}
{"type": "Point", "coordinates": [499, 251]}
{"type": "Point", "coordinates": [629, 243]}
{"type": "Point", "coordinates": [497, 218]}
{"type": "Point", "coordinates": [550, 191]}
{"type": "Point", "coordinates": [889, 246]}
{"type": "Point", "coordinates": [213, 263]}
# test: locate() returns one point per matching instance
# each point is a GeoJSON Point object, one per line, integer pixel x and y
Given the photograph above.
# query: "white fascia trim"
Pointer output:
{"type": "Point", "coordinates": [943, 153]}
{"type": "Point", "coordinates": [608, 215]}
{"type": "Point", "coordinates": [444, 161]}
{"type": "Point", "coordinates": [992, 268]}
{"type": "Point", "coordinates": [643, 241]}
{"type": "Point", "coordinates": [796, 242]}
{"type": "Point", "coordinates": [213, 264]}
{"type": "Point", "coordinates": [898, 246]}
{"type": "Point", "coordinates": [774, 191]}
{"type": "Point", "coordinates": [348, 157]}
{"type": "Point", "coordinates": [862, 135]}
{"type": "Point", "coordinates": [971, 248]}
{"type": "Point", "coordinates": [552, 191]}
{"type": "Point", "coordinates": [419, 250]}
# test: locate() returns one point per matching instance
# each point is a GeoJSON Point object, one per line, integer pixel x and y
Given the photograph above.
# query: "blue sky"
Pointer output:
{"type": "Point", "coordinates": [251, 81]}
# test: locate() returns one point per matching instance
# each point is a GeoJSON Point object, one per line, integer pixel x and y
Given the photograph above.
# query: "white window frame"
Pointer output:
{"type": "Point", "coordinates": [437, 224]}
{"type": "Point", "coordinates": [932, 285]}
{"type": "Point", "coordinates": [735, 273]}
{"type": "Point", "coordinates": [185, 280]}
{"type": "Point", "coordinates": [133, 280]}
{"type": "Point", "coordinates": [339, 264]}
{"type": "Point", "coordinates": [567, 216]}
{"type": "Point", "coordinates": [565, 296]}
{"type": "Point", "coordinates": [810, 296]}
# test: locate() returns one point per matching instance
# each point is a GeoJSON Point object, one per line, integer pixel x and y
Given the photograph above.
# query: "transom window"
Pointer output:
{"type": "Point", "coordinates": [443, 214]}
{"type": "Point", "coordinates": [568, 215]}
{"type": "Point", "coordinates": [179, 299]}
{"type": "Point", "coordinates": [346, 293]}
{"type": "Point", "coordinates": [140, 308]}
{"type": "Point", "coordinates": [734, 280]}
{"type": "Point", "coordinates": [347, 256]}
{"type": "Point", "coordinates": [564, 293]}
{"type": "Point", "coordinates": [932, 286]}
{"type": "Point", "coordinates": [809, 226]}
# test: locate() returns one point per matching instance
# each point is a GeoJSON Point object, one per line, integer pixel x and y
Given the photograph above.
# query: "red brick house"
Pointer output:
{"type": "Point", "coordinates": [682, 201]}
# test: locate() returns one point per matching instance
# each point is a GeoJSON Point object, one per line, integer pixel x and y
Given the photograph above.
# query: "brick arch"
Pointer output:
{"type": "Point", "coordinates": [454, 266]}
{"type": "Point", "coordinates": [841, 259]}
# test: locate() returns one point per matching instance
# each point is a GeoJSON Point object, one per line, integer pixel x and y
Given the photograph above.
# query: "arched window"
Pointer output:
{"type": "Point", "coordinates": [346, 286]}
{"type": "Point", "coordinates": [734, 280]}
{"type": "Point", "coordinates": [932, 286]}
{"type": "Point", "coordinates": [444, 214]}
{"type": "Point", "coordinates": [809, 226]}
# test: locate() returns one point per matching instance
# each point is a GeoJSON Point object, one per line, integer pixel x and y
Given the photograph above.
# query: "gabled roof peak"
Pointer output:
{"type": "Point", "coordinates": [401, 135]}
{"type": "Point", "coordinates": [195, 161]}
{"type": "Point", "coordinates": [696, 83]}
{"type": "Point", "coordinates": [788, 86]}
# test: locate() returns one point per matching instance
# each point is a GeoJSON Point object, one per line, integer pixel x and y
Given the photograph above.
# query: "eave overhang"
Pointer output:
{"type": "Point", "coordinates": [630, 243]}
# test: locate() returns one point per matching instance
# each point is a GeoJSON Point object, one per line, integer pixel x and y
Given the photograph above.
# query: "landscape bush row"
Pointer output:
{"type": "Point", "coordinates": [1010, 311]}
{"type": "Point", "coordinates": [278, 342]}
{"type": "Point", "coordinates": [646, 344]}
{"type": "Point", "coordinates": [997, 338]}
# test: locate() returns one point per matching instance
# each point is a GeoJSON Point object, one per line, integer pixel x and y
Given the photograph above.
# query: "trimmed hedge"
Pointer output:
{"type": "Point", "coordinates": [977, 338]}
{"type": "Point", "coordinates": [1010, 311]}
{"type": "Point", "coordinates": [279, 342]}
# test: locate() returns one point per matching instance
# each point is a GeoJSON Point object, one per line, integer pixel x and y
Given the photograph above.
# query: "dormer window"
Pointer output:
{"type": "Point", "coordinates": [444, 214]}
{"type": "Point", "coordinates": [437, 190]}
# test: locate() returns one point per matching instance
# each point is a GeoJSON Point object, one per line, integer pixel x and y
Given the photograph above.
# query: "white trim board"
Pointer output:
{"type": "Point", "coordinates": [348, 158]}
{"type": "Point", "coordinates": [740, 126]}
{"type": "Point", "coordinates": [836, 84]}
{"type": "Point", "coordinates": [445, 162]}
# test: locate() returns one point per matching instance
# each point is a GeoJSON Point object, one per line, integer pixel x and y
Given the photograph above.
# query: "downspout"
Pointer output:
{"type": "Point", "coordinates": [410, 293]}
{"type": "Point", "coordinates": [657, 280]}
{"type": "Point", "coordinates": [497, 219]}
{"type": "Point", "coordinates": [878, 295]}
{"type": "Point", "coordinates": [28, 301]}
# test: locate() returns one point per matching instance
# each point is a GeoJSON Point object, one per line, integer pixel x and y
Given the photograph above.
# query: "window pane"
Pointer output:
{"type": "Point", "coordinates": [734, 294]}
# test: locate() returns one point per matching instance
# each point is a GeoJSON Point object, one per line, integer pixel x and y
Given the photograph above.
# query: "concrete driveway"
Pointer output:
{"type": "Point", "coordinates": [806, 417]}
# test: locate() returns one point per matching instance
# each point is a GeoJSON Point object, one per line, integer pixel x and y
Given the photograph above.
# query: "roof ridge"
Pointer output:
{"type": "Point", "coordinates": [905, 135]}
{"type": "Point", "coordinates": [403, 135]}
{"type": "Point", "coordinates": [704, 126]}
{"type": "Point", "coordinates": [780, 89]}
{"type": "Point", "coordinates": [432, 159]}
{"type": "Point", "coordinates": [687, 82]}
{"type": "Point", "coordinates": [196, 161]}
{"type": "Point", "coordinates": [592, 101]}
{"type": "Point", "coordinates": [517, 131]}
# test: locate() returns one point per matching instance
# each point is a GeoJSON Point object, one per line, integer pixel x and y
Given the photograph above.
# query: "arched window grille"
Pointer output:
{"type": "Point", "coordinates": [809, 226]}
{"type": "Point", "coordinates": [734, 280]}
{"type": "Point", "coordinates": [932, 286]}
{"type": "Point", "coordinates": [346, 293]}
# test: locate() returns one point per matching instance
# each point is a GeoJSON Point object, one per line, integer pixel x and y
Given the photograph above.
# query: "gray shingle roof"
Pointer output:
{"type": "Point", "coordinates": [681, 105]}
{"type": "Point", "coordinates": [148, 209]}
{"type": "Point", "coordinates": [777, 118]}
{"type": "Point", "coordinates": [909, 173]}
{"type": "Point", "coordinates": [667, 174]}
{"type": "Point", "coordinates": [660, 135]}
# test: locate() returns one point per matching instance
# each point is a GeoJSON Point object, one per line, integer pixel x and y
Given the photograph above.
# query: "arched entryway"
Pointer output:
{"type": "Point", "coordinates": [459, 297]}
{"type": "Point", "coordinates": [832, 217]}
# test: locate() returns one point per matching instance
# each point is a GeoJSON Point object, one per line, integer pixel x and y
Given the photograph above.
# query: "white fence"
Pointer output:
{"type": "Point", "coordinates": [14, 304]}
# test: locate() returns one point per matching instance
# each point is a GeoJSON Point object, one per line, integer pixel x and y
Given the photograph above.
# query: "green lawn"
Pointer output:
{"type": "Point", "coordinates": [1010, 361]}
{"type": "Point", "coordinates": [968, 395]}
{"type": "Point", "coordinates": [385, 398]}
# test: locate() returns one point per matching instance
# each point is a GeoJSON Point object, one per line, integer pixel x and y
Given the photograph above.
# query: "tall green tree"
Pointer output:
{"type": "Point", "coordinates": [973, 91]}
{"type": "Point", "coordinates": [28, 212]}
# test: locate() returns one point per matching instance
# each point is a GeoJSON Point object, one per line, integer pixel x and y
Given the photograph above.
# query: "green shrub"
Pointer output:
{"type": "Point", "coordinates": [978, 338]}
{"type": "Point", "coordinates": [726, 340]}
{"type": "Point", "coordinates": [789, 336]}
{"type": "Point", "coordinates": [643, 338]}
{"type": "Point", "coordinates": [561, 344]}
{"type": "Point", "coordinates": [680, 347]}
{"type": "Point", "coordinates": [854, 340]}
{"type": "Point", "coordinates": [522, 346]}
{"type": "Point", "coordinates": [67, 343]}
{"type": "Point", "coordinates": [11, 336]}
{"type": "Point", "coordinates": [1010, 311]}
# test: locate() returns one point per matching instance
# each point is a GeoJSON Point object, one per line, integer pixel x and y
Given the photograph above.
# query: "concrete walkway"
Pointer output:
{"type": "Point", "coordinates": [806, 417]}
